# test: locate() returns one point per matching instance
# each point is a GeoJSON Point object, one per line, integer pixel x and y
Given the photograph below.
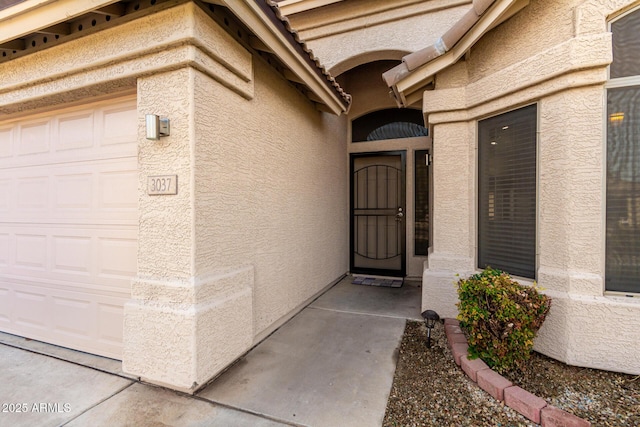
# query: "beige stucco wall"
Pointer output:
{"type": "Point", "coordinates": [564, 73]}
{"type": "Point", "coordinates": [259, 225]}
{"type": "Point", "coordinates": [270, 192]}
{"type": "Point", "coordinates": [260, 217]}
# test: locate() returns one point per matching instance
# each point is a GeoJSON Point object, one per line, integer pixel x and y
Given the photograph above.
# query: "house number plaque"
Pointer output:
{"type": "Point", "coordinates": [162, 185]}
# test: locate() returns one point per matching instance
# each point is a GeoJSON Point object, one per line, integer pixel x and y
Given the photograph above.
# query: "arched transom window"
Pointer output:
{"type": "Point", "coordinates": [388, 124]}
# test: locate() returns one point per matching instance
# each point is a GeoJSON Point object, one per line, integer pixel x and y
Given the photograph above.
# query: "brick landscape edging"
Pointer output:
{"type": "Point", "coordinates": [529, 405]}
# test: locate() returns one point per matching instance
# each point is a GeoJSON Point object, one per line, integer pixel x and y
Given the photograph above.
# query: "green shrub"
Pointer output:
{"type": "Point", "coordinates": [501, 318]}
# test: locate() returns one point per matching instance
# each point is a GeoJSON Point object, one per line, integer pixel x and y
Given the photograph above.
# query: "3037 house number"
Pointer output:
{"type": "Point", "coordinates": [162, 185]}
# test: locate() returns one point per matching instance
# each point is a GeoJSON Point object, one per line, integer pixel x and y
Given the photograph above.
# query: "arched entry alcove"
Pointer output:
{"type": "Point", "coordinates": [389, 177]}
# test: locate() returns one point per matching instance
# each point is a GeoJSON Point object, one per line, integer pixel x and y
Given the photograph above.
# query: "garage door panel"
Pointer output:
{"type": "Point", "coordinates": [4, 306]}
{"type": "Point", "coordinates": [30, 309]}
{"type": "Point", "coordinates": [73, 192]}
{"type": "Point", "coordinates": [119, 126]}
{"type": "Point", "coordinates": [4, 249]}
{"type": "Point", "coordinates": [73, 316]}
{"type": "Point", "coordinates": [34, 138]}
{"type": "Point", "coordinates": [97, 257]}
{"type": "Point", "coordinates": [119, 191]}
{"type": "Point", "coordinates": [72, 255]}
{"type": "Point", "coordinates": [110, 319]}
{"type": "Point", "coordinates": [6, 195]}
{"type": "Point", "coordinates": [86, 322]}
{"type": "Point", "coordinates": [33, 193]}
{"type": "Point", "coordinates": [117, 258]}
{"type": "Point", "coordinates": [31, 252]}
{"type": "Point", "coordinates": [93, 192]}
{"type": "Point", "coordinates": [37, 284]}
{"type": "Point", "coordinates": [78, 135]}
{"type": "Point", "coordinates": [75, 131]}
{"type": "Point", "coordinates": [69, 224]}
{"type": "Point", "coordinates": [6, 142]}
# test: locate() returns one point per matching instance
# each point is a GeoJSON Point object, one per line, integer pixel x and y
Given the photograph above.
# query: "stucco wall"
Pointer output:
{"type": "Point", "coordinates": [564, 72]}
{"type": "Point", "coordinates": [551, 18]}
{"type": "Point", "coordinates": [260, 220]}
{"type": "Point", "coordinates": [270, 191]}
{"type": "Point", "coordinates": [259, 224]}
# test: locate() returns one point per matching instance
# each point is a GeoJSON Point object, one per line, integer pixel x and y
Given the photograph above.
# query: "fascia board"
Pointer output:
{"type": "Point", "coordinates": [290, 7]}
{"type": "Point", "coordinates": [423, 75]}
{"type": "Point", "coordinates": [33, 15]}
{"type": "Point", "coordinates": [252, 16]}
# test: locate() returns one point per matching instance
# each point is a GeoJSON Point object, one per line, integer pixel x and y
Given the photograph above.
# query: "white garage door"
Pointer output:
{"type": "Point", "coordinates": [69, 224]}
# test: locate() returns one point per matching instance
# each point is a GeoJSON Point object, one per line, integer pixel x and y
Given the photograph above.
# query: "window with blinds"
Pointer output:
{"type": "Point", "coordinates": [507, 192]}
{"type": "Point", "coordinates": [622, 272]}
{"type": "Point", "coordinates": [421, 203]}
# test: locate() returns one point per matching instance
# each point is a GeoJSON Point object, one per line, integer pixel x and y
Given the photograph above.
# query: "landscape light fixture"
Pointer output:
{"type": "Point", "coordinates": [430, 318]}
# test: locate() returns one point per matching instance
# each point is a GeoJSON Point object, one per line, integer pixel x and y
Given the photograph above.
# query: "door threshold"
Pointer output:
{"type": "Point", "coordinates": [375, 276]}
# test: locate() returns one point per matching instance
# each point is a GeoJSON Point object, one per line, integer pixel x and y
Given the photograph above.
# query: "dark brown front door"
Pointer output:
{"type": "Point", "coordinates": [378, 213]}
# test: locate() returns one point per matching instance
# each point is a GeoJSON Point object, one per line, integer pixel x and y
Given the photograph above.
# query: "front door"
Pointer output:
{"type": "Point", "coordinates": [378, 213]}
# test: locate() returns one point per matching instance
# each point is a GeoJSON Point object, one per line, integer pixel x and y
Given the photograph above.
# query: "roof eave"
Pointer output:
{"type": "Point", "coordinates": [291, 7]}
{"type": "Point", "coordinates": [407, 85]}
{"type": "Point", "coordinates": [259, 16]}
{"type": "Point", "coordinates": [33, 15]}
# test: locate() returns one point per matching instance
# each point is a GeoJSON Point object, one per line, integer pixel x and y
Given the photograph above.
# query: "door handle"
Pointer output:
{"type": "Point", "coordinates": [399, 215]}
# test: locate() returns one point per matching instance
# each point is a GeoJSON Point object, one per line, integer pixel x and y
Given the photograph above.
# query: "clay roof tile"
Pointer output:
{"type": "Point", "coordinates": [273, 4]}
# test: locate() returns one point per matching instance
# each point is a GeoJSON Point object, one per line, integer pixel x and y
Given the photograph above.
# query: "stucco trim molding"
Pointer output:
{"type": "Point", "coordinates": [604, 325]}
{"type": "Point", "coordinates": [181, 334]}
{"type": "Point", "coordinates": [569, 65]}
{"type": "Point", "coordinates": [188, 38]}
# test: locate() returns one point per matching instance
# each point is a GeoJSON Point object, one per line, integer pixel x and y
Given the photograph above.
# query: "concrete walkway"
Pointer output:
{"type": "Point", "coordinates": [331, 365]}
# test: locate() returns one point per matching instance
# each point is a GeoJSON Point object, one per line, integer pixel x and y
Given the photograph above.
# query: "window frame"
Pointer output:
{"type": "Point", "coordinates": [613, 83]}
{"type": "Point", "coordinates": [537, 190]}
{"type": "Point", "coordinates": [416, 187]}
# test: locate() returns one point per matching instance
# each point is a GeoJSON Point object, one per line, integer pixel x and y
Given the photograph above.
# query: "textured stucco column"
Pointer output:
{"type": "Point", "coordinates": [453, 216]}
{"type": "Point", "coordinates": [181, 328]}
{"type": "Point", "coordinates": [584, 327]}
{"type": "Point", "coordinates": [184, 323]}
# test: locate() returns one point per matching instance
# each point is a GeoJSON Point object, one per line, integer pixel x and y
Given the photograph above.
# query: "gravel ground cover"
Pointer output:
{"type": "Point", "coordinates": [602, 397]}
{"type": "Point", "coordinates": [429, 389]}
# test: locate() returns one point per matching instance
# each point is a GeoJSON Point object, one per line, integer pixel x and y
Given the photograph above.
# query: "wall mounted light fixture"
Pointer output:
{"type": "Point", "coordinates": [156, 126]}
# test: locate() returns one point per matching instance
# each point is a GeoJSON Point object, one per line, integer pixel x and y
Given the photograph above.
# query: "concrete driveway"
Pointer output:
{"type": "Point", "coordinates": [331, 365]}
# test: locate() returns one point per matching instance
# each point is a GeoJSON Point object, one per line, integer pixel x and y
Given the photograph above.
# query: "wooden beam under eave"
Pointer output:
{"type": "Point", "coordinates": [258, 44]}
{"type": "Point", "coordinates": [315, 98]}
{"type": "Point", "coordinates": [62, 29]}
{"type": "Point", "coordinates": [17, 44]}
{"type": "Point", "coordinates": [291, 76]}
{"type": "Point", "coordinates": [116, 9]}
{"type": "Point", "coordinates": [323, 107]}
